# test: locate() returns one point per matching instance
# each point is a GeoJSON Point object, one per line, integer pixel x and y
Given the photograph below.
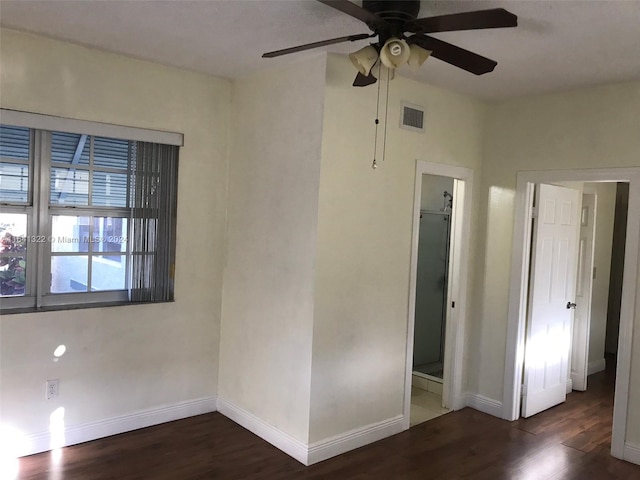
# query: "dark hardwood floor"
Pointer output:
{"type": "Point", "coordinates": [570, 441]}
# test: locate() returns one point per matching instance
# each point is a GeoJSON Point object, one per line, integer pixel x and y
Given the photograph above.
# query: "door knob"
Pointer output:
{"type": "Point", "coordinates": [571, 305]}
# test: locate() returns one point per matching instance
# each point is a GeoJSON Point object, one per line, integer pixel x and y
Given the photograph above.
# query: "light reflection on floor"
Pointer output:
{"type": "Point", "coordinates": [13, 443]}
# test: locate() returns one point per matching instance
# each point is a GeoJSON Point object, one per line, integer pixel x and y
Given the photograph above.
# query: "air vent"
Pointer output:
{"type": "Point", "coordinates": [412, 118]}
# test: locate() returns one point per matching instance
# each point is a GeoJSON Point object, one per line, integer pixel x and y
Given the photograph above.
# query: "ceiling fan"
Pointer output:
{"type": "Point", "coordinates": [402, 36]}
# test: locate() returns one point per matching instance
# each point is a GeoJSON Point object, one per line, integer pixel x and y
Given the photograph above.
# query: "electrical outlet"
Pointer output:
{"type": "Point", "coordinates": [52, 388]}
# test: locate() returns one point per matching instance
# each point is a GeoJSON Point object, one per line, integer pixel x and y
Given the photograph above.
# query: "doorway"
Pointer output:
{"type": "Point", "coordinates": [569, 289]}
{"type": "Point", "coordinates": [599, 281]}
{"type": "Point", "coordinates": [432, 294]}
{"type": "Point", "coordinates": [521, 261]}
{"type": "Point", "coordinates": [432, 277]}
{"type": "Point", "coordinates": [438, 291]}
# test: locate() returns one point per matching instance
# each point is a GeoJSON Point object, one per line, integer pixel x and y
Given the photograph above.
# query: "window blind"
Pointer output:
{"type": "Point", "coordinates": [154, 208]}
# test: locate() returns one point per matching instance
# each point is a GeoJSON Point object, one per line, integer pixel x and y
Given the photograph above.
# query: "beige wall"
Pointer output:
{"type": "Point", "coordinates": [121, 360]}
{"type": "Point", "coordinates": [364, 242]}
{"type": "Point", "coordinates": [317, 279]}
{"type": "Point", "coordinates": [276, 132]}
{"type": "Point", "coordinates": [589, 128]}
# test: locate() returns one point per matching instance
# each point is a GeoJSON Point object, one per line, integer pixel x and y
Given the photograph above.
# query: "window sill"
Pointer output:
{"type": "Point", "coordinates": [55, 308]}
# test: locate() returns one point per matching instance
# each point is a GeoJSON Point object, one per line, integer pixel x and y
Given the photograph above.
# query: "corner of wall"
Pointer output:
{"type": "Point", "coordinates": [271, 229]}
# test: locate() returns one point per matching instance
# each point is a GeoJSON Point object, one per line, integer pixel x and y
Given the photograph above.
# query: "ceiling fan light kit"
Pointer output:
{"type": "Point", "coordinates": [364, 59]}
{"type": "Point", "coordinates": [394, 53]}
{"type": "Point", "coordinates": [417, 56]}
{"type": "Point", "coordinates": [403, 37]}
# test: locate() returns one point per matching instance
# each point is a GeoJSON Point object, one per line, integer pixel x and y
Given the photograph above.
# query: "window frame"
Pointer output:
{"type": "Point", "coordinates": [40, 211]}
{"type": "Point", "coordinates": [25, 208]}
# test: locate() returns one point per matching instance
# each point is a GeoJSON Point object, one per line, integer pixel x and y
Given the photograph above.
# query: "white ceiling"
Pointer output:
{"type": "Point", "coordinates": [558, 45]}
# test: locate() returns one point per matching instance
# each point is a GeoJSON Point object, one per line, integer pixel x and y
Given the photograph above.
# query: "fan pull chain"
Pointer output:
{"type": "Point", "coordinates": [374, 165]}
{"type": "Point", "coordinates": [386, 116]}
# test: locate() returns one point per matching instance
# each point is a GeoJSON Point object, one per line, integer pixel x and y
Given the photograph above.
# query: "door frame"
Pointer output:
{"type": "Point", "coordinates": [584, 345]}
{"type": "Point", "coordinates": [457, 288]}
{"type": "Point", "coordinates": [514, 360]}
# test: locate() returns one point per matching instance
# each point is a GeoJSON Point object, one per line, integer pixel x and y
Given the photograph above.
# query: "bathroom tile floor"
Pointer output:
{"type": "Point", "coordinates": [425, 406]}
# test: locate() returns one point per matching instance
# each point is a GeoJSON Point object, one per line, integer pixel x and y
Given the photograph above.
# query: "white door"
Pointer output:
{"type": "Point", "coordinates": [552, 293]}
{"type": "Point", "coordinates": [582, 315]}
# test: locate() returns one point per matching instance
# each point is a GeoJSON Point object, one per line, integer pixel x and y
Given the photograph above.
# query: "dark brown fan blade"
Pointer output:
{"type": "Point", "coordinates": [308, 46]}
{"type": "Point", "coordinates": [345, 6]}
{"type": "Point", "coordinates": [459, 57]}
{"type": "Point", "coordinates": [364, 80]}
{"type": "Point", "coordinates": [494, 18]}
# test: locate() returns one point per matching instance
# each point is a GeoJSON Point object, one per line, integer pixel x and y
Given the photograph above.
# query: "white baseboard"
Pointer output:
{"type": "Point", "coordinates": [484, 404]}
{"type": "Point", "coordinates": [317, 451]}
{"type": "Point", "coordinates": [279, 439]}
{"type": "Point", "coordinates": [74, 434]}
{"type": "Point", "coordinates": [569, 388]}
{"type": "Point", "coordinates": [596, 366]}
{"type": "Point", "coordinates": [632, 453]}
{"type": "Point", "coordinates": [336, 445]}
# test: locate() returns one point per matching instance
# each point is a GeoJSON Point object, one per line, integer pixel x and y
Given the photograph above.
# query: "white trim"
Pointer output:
{"type": "Point", "coordinates": [596, 366]}
{"type": "Point", "coordinates": [353, 439]}
{"type": "Point", "coordinates": [579, 354]}
{"type": "Point", "coordinates": [317, 451]}
{"type": "Point", "coordinates": [459, 268]}
{"type": "Point", "coordinates": [427, 376]}
{"type": "Point", "coordinates": [276, 437]}
{"type": "Point", "coordinates": [42, 442]}
{"type": "Point", "coordinates": [455, 328]}
{"type": "Point", "coordinates": [518, 293]}
{"type": "Point", "coordinates": [514, 359]}
{"type": "Point", "coordinates": [484, 404]}
{"type": "Point", "coordinates": [62, 124]}
{"type": "Point", "coordinates": [631, 453]}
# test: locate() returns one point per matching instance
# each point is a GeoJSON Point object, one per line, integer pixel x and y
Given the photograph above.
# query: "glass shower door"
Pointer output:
{"type": "Point", "coordinates": [431, 293]}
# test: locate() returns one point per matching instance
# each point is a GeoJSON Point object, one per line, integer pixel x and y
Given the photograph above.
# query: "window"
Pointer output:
{"type": "Point", "coordinates": [85, 220]}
